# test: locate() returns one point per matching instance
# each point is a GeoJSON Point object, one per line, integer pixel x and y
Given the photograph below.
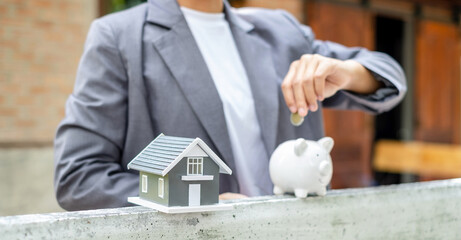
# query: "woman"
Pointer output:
{"type": "Point", "coordinates": [198, 68]}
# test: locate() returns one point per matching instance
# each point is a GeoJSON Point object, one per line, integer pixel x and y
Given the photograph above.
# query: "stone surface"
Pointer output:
{"type": "Point", "coordinates": [429, 210]}
{"type": "Point", "coordinates": [26, 181]}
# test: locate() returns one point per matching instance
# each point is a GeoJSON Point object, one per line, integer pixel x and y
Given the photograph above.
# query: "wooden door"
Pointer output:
{"type": "Point", "coordinates": [437, 83]}
{"type": "Point", "coordinates": [351, 130]}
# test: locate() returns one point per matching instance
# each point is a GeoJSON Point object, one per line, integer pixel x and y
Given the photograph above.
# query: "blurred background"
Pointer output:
{"type": "Point", "coordinates": [41, 42]}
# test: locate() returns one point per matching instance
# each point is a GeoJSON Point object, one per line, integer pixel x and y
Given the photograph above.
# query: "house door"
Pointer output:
{"type": "Point", "coordinates": [194, 194]}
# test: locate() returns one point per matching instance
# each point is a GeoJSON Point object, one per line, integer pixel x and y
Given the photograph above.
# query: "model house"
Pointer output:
{"type": "Point", "coordinates": [178, 175]}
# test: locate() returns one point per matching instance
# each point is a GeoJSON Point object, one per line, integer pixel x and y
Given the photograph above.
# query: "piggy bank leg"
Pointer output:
{"type": "Point", "coordinates": [322, 191]}
{"type": "Point", "coordinates": [278, 190]}
{"type": "Point", "coordinates": [301, 193]}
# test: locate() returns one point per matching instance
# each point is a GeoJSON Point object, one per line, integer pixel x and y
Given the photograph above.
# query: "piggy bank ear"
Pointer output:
{"type": "Point", "coordinates": [300, 146]}
{"type": "Point", "coordinates": [327, 143]}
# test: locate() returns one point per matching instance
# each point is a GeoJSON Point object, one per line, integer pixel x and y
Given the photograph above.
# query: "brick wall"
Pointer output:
{"type": "Point", "coordinates": [40, 44]}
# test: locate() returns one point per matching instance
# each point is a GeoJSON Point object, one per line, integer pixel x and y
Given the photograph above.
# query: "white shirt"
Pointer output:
{"type": "Point", "coordinates": [216, 43]}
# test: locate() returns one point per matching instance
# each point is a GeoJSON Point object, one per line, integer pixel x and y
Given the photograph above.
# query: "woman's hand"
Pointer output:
{"type": "Point", "coordinates": [313, 78]}
{"type": "Point", "coordinates": [229, 196]}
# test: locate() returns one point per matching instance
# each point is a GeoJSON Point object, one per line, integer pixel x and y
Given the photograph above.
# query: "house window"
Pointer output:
{"type": "Point", "coordinates": [144, 183]}
{"type": "Point", "coordinates": [195, 166]}
{"type": "Point", "coordinates": [161, 187]}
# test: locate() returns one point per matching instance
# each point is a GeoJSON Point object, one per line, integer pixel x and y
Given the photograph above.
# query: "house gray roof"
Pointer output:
{"type": "Point", "coordinates": [164, 152]}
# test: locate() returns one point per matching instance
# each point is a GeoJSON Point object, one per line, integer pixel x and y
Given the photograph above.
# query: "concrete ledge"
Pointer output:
{"type": "Point", "coordinates": [430, 210]}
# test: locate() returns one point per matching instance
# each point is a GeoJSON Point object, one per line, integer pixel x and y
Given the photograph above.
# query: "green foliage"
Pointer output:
{"type": "Point", "coordinates": [117, 5]}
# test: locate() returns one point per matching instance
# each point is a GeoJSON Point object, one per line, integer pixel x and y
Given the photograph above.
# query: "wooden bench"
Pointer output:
{"type": "Point", "coordinates": [421, 158]}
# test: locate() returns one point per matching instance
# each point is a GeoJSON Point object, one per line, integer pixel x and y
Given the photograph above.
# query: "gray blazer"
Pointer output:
{"type": "Point", "coordinates": [142, 74]}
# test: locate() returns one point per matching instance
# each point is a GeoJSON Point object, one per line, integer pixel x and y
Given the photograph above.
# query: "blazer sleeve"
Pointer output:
{"type": "Point", "coordinates": [383, 67]}
{"type": "Point", "coordinates": [90, 139]}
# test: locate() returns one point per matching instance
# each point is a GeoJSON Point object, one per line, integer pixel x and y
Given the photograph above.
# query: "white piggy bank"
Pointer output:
{"type": "Point", "coordinates": [302, 166]}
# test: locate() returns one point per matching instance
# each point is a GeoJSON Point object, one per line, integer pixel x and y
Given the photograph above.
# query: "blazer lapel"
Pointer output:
{"type": "Point", "coordinates": [182, 56]}
{"type": "Point", "coordinates": [177, 46]}
{"type": "Point", "coordinates": [257, 59]}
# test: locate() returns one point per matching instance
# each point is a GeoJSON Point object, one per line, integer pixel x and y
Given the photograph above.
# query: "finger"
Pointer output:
{"type": "Point", "coordinates": [298, 89]}
{"type": "Point", "coordinates": [322, 88]}
{"type": "Point", "coordinates": [320, 76]}
{"type": "Point", "coordinates": [287, 88]}
{"type": "Point", "coordinates": [229, 196]}
{"type": "Point", "coordinates": [308, 83]}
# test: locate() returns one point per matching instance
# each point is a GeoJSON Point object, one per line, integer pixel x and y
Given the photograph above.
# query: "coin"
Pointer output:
{"type": "Point", "coordinates": [296, 119]}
